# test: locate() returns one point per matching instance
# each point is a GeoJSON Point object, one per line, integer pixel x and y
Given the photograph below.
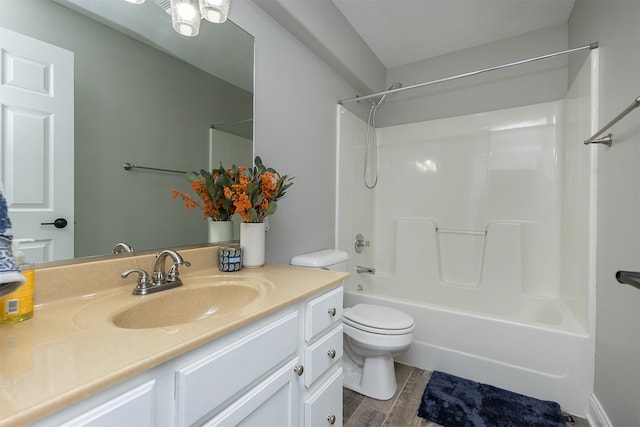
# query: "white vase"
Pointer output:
{"type": "Point", "coordinates": [252, 240]}
{"type": "Point", "coordinates": [220, 231]}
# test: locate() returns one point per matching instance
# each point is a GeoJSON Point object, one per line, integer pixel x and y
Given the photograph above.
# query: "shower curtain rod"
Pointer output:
{"type": "Point", "coordinates": [469, 74]}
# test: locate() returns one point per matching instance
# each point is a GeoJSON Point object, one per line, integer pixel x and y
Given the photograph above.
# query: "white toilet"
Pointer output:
{"type": "Point", "coordinates": [373, 334]}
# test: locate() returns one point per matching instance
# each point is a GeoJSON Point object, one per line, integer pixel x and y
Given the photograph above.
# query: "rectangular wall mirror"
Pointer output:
{"type": "Point", "coordinates": [141, 94]}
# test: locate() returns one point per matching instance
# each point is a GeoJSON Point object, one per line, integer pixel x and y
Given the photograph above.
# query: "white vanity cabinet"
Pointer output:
{"type": "Point", "coordinates": [139, 401]}
{"type": "Point", "coordinates": [206, 384]}
{"type": "Point", "coordinates": [282, 370]}
{"type": "Point", "coordinates": [134, 405]}
{"type": "Point", "coordinates": [322, 357]}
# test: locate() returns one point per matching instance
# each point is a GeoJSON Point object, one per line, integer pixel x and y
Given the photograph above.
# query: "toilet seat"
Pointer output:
{"type": "Point", "coordinates": [378, 319]}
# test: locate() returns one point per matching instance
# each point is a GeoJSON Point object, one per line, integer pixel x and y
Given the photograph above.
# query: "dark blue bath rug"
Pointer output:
{"type": "Point", "coordinates": [457, 402]}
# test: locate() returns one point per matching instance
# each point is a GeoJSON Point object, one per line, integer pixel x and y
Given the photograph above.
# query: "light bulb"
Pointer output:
{"type": "Point", "coordinates": [186, 12]}
{"type": "Point", "coordinates": [185, 17]}
{"type": "Point", "coordinates": [215, 11]}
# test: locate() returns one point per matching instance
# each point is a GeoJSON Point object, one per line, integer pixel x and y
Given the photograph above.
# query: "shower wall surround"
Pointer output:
{"type": "Point", "coordinates": [495, 202]}
{"type": "Point", "coordinates": [463, 201]}
{"type": "Point", "coordinates": [482, 227]}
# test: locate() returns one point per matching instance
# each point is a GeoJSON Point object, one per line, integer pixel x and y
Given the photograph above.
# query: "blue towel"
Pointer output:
{"type": "Point", "coordinates": [10, 276]}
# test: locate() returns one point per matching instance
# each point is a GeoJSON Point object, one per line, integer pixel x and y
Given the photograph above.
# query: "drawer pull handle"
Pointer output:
{"type": "Point", "coordinates": [299, 369]}
{"type": "Point", "coordinates": [332, 311]}
{"type": "Point", "coordinates": [331, 419]}
{"type": "Point", "coordinates": [331, 354]}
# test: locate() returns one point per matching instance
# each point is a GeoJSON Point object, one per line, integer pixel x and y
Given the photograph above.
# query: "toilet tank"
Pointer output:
{"type": "Point", "coordinates": [327, 259]}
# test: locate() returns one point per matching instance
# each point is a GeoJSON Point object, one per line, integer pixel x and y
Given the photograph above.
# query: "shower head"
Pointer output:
{"type": "Point", "coordinates": [396, 85]}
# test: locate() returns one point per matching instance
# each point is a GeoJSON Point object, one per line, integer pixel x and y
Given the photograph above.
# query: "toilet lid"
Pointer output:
{"type": "Point", "coordinates": [377, 317]}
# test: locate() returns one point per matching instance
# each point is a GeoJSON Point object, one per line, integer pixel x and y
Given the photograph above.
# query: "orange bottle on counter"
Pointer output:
{"type": "Point", "coordinates": [18, 306]}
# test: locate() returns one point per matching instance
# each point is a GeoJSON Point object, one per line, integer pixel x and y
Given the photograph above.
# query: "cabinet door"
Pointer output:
{"type": "Point", "coordinates": [323, 408]}
{"type": "Point", "coordinates": [134, 408]}
{"type": "Point", "coordinates": [272, 403]}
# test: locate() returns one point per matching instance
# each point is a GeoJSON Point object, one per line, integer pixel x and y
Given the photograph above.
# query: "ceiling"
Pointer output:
{"type": "Point", "coordinates": [400, 32]}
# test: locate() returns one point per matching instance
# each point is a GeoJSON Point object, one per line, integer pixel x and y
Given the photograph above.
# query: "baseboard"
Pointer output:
{"type": "Point", "coordinates": [596, 415]}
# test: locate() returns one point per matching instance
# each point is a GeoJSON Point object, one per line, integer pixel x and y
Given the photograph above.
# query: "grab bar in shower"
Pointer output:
{"type": "Point", "coordinates": [608, 139]}
{"type": "Point", "coordinates": [461, 231]}
{"type": "Point", "coordinates": [129, 166]}
{"type": "Point", "coordinates": [629, 278]}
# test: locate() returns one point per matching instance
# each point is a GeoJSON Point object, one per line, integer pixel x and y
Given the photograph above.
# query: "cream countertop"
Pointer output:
{"type": "Point", "coordinates": [70, 350]}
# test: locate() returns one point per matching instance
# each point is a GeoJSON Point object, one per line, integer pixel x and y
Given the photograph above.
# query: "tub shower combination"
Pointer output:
{"type": "Point", "coordinates": [481, 228]}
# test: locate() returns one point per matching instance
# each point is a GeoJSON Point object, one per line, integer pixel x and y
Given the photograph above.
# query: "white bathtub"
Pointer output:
{"type": "Point", "coordinates": [528, 345]}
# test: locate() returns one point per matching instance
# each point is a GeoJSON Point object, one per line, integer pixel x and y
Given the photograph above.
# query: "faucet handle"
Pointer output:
{"type": "Point", "coordinates": [143, 277]}
{"type": "Point", "coordinates": [174, 274]}
{"type": "Point", "coordinates": [360, 243]}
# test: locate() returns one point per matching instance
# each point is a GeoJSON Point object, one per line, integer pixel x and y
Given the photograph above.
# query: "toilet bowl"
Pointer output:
{"type": "Point", "coordinates": [372, 335]}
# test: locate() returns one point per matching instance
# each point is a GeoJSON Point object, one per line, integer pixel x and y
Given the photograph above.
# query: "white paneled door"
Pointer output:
{"type": "Point", "coordinates": [36, 143]}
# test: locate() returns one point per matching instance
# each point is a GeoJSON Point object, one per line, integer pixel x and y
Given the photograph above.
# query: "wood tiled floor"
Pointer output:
{"type": "Point", "coordinates": [401, 409]}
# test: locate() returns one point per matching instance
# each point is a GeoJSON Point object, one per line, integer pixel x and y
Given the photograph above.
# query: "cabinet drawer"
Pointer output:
{"type": "Point", "coordinates": [324, 407]}
{"type": "Point", "coordinates": [322, 355]}
{"type": "Point", "coordinates": [204, 385]}
{"type": "Point", "coordinates": [322, 312]}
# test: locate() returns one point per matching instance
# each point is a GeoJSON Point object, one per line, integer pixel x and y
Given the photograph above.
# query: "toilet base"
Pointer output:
{"type": "Point", "coordinates": [375, 379]}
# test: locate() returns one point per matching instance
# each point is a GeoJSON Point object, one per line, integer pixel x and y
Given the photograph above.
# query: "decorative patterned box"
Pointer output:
{"type": "Point", "coordinates": [230, 258]}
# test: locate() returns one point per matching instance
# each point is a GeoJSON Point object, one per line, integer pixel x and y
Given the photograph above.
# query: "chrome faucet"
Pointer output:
{"type": "Point", "coordinates": [370, 270]}
{"type": "Point", "coordinates": [123, 248]}
{"type": "Point", "coordinates": [159, 274]}
{"type": "Point", "coordinates": [160, 280]}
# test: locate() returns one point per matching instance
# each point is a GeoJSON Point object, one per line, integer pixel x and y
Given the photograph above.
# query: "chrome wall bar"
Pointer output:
{"type": "Point", "coordinates": [129, 166]}
{"type": "Point", "coordinates": [233, 122]}
{"type": "Point", "coordinates": [469, 74]}
{"type": "Point", "coordinates": [460, 231]}
{"type": "Point", "coordinates": [608, 139]}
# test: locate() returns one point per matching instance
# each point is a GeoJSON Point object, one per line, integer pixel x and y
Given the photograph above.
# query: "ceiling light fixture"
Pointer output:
{"type": "Point", "coordinates": [215, 11]}
{"type": "Point", "coordinates": [187, 14]}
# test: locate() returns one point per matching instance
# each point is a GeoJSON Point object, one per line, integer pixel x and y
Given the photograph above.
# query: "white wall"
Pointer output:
{"type": "Point", "coordinates": [229, 149]}
{"type": "Point", "coordinates": [295, 129]}
{"type": "Point", "coordinates": [614, 23]}
{"type": "Point", "coordinates": [528, 84]}
{"type": "Point", "coordinates": [295, 132]}
{"type": "Point", "coordinates": [324, 30]}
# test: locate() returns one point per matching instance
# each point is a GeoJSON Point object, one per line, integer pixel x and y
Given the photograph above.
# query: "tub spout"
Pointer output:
{"type": "Point", "coordinates": [370, 270]}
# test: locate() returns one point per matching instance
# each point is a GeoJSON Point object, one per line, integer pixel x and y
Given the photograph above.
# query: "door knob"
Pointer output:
{"type": "Point", "coordinates": [57, 223]}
